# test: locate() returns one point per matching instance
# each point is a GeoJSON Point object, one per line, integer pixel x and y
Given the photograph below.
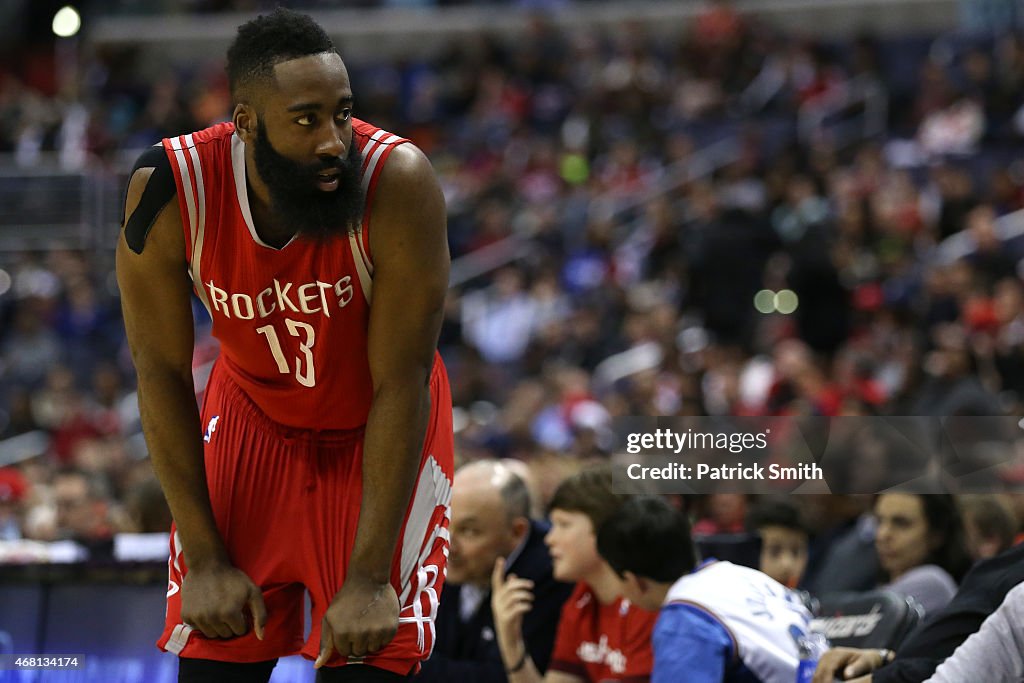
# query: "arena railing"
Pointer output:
{"type": "Point", "coordinates": [46, 206]}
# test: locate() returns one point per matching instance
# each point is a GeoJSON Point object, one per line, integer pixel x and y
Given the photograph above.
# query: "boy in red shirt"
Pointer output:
{"type": "Point", "coordinates": [601, 636]}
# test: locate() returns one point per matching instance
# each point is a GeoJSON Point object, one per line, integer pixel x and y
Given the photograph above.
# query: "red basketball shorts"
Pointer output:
{"type": "Point", "coordinates": [287, 504]}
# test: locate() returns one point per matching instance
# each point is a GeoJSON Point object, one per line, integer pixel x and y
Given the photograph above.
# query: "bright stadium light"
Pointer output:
{"type": "Point", "coordinates": [786, 301]}
{"type": "Point", "coordinates": [764, 301]}
{"type": "Point", "coordinates": [66, 22]}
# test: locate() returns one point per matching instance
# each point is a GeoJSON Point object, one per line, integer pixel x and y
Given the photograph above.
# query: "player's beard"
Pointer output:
{"type": "Point", "coordinates": [294, 194]}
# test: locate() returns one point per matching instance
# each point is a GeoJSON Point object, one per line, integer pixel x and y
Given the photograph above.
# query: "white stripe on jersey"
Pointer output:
{"type": "Point", "coordinates": [200, 232]}
{"type": "Point", "coordinates": [370, 167]}
{"type": "Point", "coordinates": [362, 252]}
{"type": "Point", "coordinates": [179, 638]}
{"type": "Point", "coordinates": [371, 143]}
{"type": "Point", "coordinates": [186, 183]}
{"type": "Point", "coordinates": [433, 489]}
{"type": "Point", "coordinates": [373, 151]}
{"type": "Point", "coordinates": [365, 280]}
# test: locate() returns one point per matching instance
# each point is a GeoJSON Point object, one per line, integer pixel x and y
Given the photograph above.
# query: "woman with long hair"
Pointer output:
{"type": "Point", "coordinates": [921, 547]}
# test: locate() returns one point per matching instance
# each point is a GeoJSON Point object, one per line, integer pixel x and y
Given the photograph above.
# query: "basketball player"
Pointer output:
{"type": "Point", "coordinates": [321, 461]}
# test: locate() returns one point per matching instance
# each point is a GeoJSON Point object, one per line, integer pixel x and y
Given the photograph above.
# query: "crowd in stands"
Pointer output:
{"type": "Point", "coordinates": [631, 291]}
{"type": "Point", "coordinates": [617, 306]}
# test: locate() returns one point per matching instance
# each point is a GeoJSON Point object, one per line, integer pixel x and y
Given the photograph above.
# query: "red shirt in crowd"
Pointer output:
{"type": "Point", "coordinates": [602, 643]}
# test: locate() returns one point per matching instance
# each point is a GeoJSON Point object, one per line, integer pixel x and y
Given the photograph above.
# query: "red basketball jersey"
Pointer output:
{"type": "Point", "coordinates": [292, 322]}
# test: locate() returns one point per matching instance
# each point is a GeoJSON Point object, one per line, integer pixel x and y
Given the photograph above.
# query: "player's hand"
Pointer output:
{"type": "Point", "coordinates": [214, 601]}
{"type": "Point", "coordinates": [846, 663]}
{"type": "Point", "coordinates": [362, 619]}
{"type": "Point", "coordinates": [511, 598]}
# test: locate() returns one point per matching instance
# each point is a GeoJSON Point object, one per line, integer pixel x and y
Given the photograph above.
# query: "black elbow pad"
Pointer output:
{"type": "Point", "coordinates": [159, 191]}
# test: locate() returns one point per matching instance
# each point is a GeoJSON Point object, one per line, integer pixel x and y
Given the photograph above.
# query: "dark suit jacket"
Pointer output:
{"type": "Point", "coordinates": [467, 652]}
{"type": "Point", "coordinates": [982, 591]}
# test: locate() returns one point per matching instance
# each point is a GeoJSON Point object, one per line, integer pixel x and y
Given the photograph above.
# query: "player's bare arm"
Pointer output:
{"type": "Point", "coordinates": [155, 300]}
{"type": "Point", "coordinates": [411, 262]}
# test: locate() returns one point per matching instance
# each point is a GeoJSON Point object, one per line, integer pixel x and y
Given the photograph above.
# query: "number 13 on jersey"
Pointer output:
{"type": "Point", "coordinates": [305, 374]}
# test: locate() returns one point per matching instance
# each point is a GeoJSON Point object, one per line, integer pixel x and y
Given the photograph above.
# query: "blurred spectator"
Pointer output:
{"type": "Point", "coordinates": [500, 321]}
{"type": "Point", "coordinates": [84, 511]}
{"type": "Point", "coordinates": [13, 489]}
{"type": "Point", "coordinates": [801, 385]}
{"type": "Point", "coordinates": [954, 128]}
{"type": "Point", "coordinates": [147, 509]}
{"type": "Point", "coordinates": [920, 544]}
{"type": "Point", "coordinates": [784, 539]}
{"type": "Point", "coordinates": [19, 417]}
{"type": "Point", "coordinates": [990, 260]}
{"type": "Point", "coordinates": [719, 25]}
{"type": "Point", "coordinates": [491, 519]}
{"type": "Point", "coordinates": [31, 348]}
{"type": "Point", "coordinates": [842, 554]}
{"type": "Point", "coordinates": [725, 513]}
{"type": "Point", "coordinates": [952, 386]}
{"type": "Point", "coordinates": [954, 193]}
{"type": "Point", "coordinates": [989, 525]}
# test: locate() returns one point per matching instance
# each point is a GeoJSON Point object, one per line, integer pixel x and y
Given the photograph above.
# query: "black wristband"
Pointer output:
{"type": "Point", "coordinates": [520, 664]}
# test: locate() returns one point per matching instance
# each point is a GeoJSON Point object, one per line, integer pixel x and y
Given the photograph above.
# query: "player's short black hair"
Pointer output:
{"type": "Point", "coordinates": [263, 42]}
{"type": "Point", "coordinates": [649, 537]}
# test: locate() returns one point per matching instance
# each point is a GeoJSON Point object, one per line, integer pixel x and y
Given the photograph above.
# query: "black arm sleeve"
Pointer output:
{"type": "Point", "coordinates": [159, 191]}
